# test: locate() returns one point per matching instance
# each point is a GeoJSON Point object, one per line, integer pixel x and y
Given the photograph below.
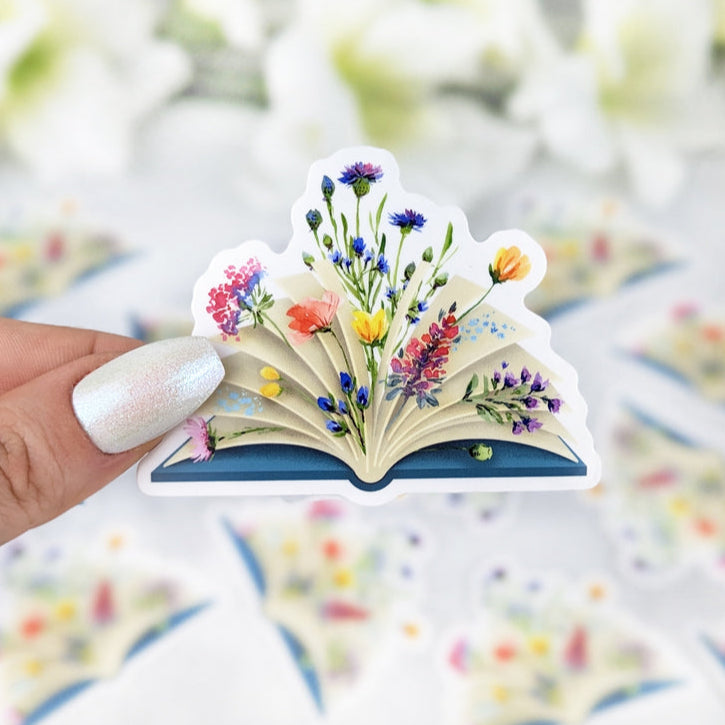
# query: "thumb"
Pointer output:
{"type": "Point", "coordinates": [68, 432]}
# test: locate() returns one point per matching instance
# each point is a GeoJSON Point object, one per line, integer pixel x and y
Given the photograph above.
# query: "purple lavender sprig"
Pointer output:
{"type": "Point", "coordinates": [506, 398]}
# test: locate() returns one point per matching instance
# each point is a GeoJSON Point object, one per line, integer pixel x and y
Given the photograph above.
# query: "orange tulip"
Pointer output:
{"type": "Point", "coordinates": [509, 264]}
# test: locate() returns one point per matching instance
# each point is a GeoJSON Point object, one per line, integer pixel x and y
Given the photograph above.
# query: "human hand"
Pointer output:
{"type": "Point", "coordinates": [49, 461]}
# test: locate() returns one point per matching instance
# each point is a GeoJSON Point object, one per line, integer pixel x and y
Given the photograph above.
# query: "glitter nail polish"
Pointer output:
{"type": "Point", "coordinates": [146, 392]}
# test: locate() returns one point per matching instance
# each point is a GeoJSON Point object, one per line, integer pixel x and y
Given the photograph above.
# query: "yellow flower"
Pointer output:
{"type": "Point", "coordinates": [679, 506]}
{"type": "Point", "coordinates": [33, 667]}
{"type": "Point", "coordinates": [499, 693]}
{"type": "Point", "coordinates": [65, 610]}
{"type": "Point", "coordinates": [290, 547]}
{"type": "Point", "coordinates": [343, 578]}
{"type": "Point", "coordinates": [269, 373]}
{"type": "Point", "coordinates": [271, 390]}
{"type": "Point", "coordinates": [539, 644]}
{"type": "Point", "coordinates": [509, 264]}
{"type": "Point", "coordinates": [370, 328]}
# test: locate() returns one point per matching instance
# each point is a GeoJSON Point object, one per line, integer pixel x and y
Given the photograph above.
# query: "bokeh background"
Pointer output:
{"type": "Point", "coordinates": [140, 138]}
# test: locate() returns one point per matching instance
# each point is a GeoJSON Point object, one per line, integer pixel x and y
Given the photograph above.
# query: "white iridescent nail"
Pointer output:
{"type": "Point", "coordinates": [144, 393]}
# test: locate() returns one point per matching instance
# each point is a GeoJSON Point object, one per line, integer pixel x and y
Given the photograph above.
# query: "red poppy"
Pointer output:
{"type": "Point", "coordinates": [311, 316]}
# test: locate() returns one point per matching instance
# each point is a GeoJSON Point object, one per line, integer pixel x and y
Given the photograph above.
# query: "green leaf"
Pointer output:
{"type": "Point", "coordinates": [449, 239]}
{"type": "Point", "coordinates": [472, 385]}
{"type": "Point", "coordinates": [379, 214]}
{"type": "Point", "coordinates": [344, 226]}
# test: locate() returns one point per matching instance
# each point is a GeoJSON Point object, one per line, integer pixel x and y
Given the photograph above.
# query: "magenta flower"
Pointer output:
{"type": "Point", "coordinates": [230, 300]}
{"type": "Point", "coordinates": [203, 441]}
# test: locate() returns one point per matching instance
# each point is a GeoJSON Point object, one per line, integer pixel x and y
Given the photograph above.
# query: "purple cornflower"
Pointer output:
{"type": "Point", "coordinates": [531, 402]}
{"type": "Point", "coordinates": [407, 220]}
{"type": "Point", "coordinates": [496, 377]}
{"type": "Point", "coordinates": [360, 170]}
{"type": "Point", "coordinates": [525, 375]}
{"type": "Point", "coordinates": [360, 175]}
{"type": "Point", "coordinates": [510, 380]}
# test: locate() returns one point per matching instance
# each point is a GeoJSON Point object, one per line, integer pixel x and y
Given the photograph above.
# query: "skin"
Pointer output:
{"type": "Point", "coordinates": [48, 464]}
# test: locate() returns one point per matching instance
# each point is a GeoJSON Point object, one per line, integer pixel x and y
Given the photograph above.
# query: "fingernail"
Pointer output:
{"type": "Point", "coordinates": [146, 392]}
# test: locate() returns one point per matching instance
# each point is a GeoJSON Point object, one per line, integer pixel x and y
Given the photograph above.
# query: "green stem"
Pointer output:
{"type": "Point", "coordinates": [342, 350]}
{"type": "Point", "coordinates": [475, 304]}
{"type": "Point", "coordinates": [279, 332]}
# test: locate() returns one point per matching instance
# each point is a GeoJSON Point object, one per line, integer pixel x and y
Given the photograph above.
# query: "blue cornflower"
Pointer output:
{"type": "Point", "coordinates": [368, 256]}
{"type": "Point", "coordinates": [382, 266]}
{"type": "Point", "coordinates": [391, 293]}
{"type": "Point", "coordinates": [363, 397]}
{"type": "Point", "coordinates": [346, 383]}
{"type": "Point", "coordinates": [336, 257]}
{"type": "Point", "coordinates": [342, 407]}
{"type": "Point", "coordinates": [328, 187]}
{"type": "Point", "coordinates": [504, 365]}
{"type": "Point", "coordinates": [334, 427]}
{"type": "Point", "coordinates": [358, 246]}
{"type": "Point", "coordinates": [422, 306]}
{"type": "Point", "coordinates": [347, 262]}
{"type": "Point", "coordinates": [314, 219]}
{"type": "Point", "coordinates": [326, 404]}
{"type": "Point", "coordinates": [407, 220]}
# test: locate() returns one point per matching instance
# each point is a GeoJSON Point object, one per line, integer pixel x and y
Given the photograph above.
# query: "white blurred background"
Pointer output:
{"type": "Point", "coordinates": [154, 134]}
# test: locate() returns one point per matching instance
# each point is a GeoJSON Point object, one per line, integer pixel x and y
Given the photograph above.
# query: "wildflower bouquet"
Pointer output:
{"type": "Point", "coordinates": [384, 329]}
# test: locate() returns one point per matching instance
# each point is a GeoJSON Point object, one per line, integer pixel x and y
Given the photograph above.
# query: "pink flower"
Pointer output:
{"type": "Point", "coordinates": [229, 301]}
{"type": "Point", "coordinates": [311, 316]}
{"type": "Point", "coordinates": [203, 442]}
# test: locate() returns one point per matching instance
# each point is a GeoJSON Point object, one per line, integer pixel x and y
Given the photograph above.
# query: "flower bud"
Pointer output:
{"type": "Point", "coordinates": [441, 280]}
{"type": "Point", "coordinates": [328, 187]}
{"type": "Point", "coordinates": [428, 255]}
{"type": "Point", "coordinates": [409, 271]}
{"type": "Point", "coordinates": [327, 241]}
{"type": "Point", "coordinates": [308, 259]}
{"type": "Point", "coordinates": [481, 452]}
{"type": "Point", "coordinates": [314, 219]}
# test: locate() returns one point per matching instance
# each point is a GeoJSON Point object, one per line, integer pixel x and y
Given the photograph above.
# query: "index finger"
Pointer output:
{"type": "Point", "coordinates": [28, 350]}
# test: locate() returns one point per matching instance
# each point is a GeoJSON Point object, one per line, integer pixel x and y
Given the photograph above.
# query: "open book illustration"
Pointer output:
{"type": "Point", "coordinates": [593, 248]}
{"type": "Point", "coordinates": [72, 616]}
{"type": "Point", "coordinates": [544, 650]}
{"type": "Point", "coordinates": [384, 345]}
{"type": "Point", "coordinates": [339, 590]}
